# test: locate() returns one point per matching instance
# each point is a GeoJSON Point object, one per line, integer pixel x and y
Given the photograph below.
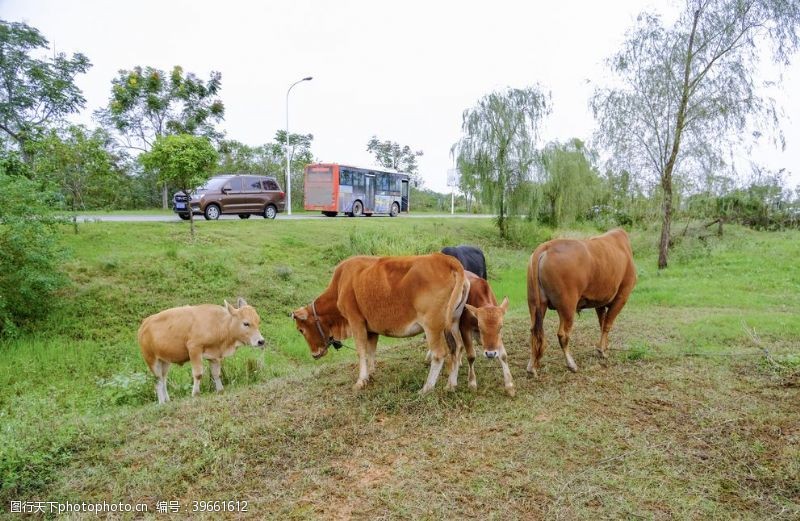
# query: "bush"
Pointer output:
{"type": "Point", "coordinates": [29, 255]}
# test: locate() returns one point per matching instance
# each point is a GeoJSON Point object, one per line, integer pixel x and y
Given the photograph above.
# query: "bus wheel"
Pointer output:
{"type": "Point", "coordinates": [329, 214]}
{"type": "Point", "coordinates": [395, 210]}
{"type": "Point", "coordinates": [358, 209]}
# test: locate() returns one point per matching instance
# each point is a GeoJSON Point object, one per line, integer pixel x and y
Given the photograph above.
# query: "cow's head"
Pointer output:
{"type": "Point", "coordinates": [490, 325]}
{"type": "Point", "coordinates": [310, 326]}
{"type": "Point", "coordinates": [318, 331]}
{"type": "Point", "coordinates": [244, 326]}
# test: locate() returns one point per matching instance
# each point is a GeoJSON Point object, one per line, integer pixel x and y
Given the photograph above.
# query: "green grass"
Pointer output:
{"type": "Point", "coordinates": [689, 417]}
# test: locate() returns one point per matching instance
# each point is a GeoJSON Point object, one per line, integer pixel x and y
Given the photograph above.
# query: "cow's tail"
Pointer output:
{"type": "Point", "coordinates": [455, 306]}
{"type": "Point", "coordinates": [537, 300]}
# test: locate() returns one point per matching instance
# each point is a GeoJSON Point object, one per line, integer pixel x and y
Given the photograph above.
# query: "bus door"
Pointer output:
{"type": "Point", "coordinates": [404, 196]}
{"type": "Point", "coordinates": [369, 194]}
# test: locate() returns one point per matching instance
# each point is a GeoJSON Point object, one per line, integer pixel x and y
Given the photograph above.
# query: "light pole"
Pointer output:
{"type": "Point", "coordinates": [288, 172]}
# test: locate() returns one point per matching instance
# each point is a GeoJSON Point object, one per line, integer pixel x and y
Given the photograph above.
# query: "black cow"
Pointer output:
{"type": "Point", "coordinates": [470, 257]}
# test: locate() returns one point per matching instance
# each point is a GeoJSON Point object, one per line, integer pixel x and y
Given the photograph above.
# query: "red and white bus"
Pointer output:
{"type": "Point", "coordinates": [332, 189]}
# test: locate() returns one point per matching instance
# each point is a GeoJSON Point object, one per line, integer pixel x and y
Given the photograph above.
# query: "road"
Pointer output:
{"type": "Point", "coordinates": [297, 216]}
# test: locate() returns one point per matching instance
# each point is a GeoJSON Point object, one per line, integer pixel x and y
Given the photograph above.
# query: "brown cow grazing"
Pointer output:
{"type": "Point", "coordinates": [389, 296]}
{"type": "Point", "coordinates": [484, 317]}
{"type": "Point", "coordinates": [192, 333]}
{"type": "Point", "coordinates": [569, 275]}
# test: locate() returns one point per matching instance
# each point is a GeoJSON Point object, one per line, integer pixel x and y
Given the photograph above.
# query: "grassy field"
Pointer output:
{"type": "Point", "coordinates": [695, 415]}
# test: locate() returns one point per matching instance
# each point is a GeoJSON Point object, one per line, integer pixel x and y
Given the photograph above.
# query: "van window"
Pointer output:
{"type": "Point", "coordinates": [234, 184]}
{"type": "Point", "coordinates": [269, 184]}
{"type": "Point", "coordinates": [252, 184]}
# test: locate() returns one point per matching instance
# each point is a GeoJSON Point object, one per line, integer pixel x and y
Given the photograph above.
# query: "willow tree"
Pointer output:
{"type": "Point", "coordinates": [688, 93]}
{"type": "Point", "coordinates": [570, 183]}
{"type": "Point", "coordinates": [498, 146]}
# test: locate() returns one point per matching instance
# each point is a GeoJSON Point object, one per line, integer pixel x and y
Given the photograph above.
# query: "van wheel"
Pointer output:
{"type": "Point", "coordinates": [270, 212]}
{"type": "Point", "coordinates": [212, 212]}
{"type": "Point", "coordinates": [184, 216]}
{"type": "Point", "coordinates": [358, 209]}
{"type": "Point", "coordinates": [329, 214]}
{"type": "Point", "coordinates": [395, 210]}
{"type": "Point", "coordinates": [244, 216]}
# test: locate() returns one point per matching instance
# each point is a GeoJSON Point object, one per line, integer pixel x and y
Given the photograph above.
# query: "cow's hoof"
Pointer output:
{"type": "Point", "coordinates": [510, 390]}
{"type": "Point", "coordinates": [473, 385]}
{"type": "Point", "coordinates": [451, 388]}
{"type": "Point", "coordinates": [359, 385]}
{"type": "Point", "coordinates": [424, 391]}
{"type": "Point", "coordinates": [601, 353]}
{"type": "Point", "coordinates": [573, 368]}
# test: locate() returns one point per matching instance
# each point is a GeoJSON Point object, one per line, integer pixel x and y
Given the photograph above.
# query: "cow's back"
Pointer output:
{"type": "Point", "coordinates": [165, 335]}
{"type": "Point", "coordinates": [593, 269]}
{"type": "Point", "coordinates": [391, 293]}
{"type": "Point", "coordinates": [470, 257]}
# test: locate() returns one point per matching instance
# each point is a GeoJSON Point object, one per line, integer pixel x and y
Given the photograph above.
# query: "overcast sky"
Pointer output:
{"type": "Point", "coordinates": [404, 71]}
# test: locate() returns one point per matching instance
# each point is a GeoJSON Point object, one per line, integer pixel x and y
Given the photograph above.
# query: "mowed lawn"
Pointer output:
{"type": "Point", "coordinates": [695, 415]}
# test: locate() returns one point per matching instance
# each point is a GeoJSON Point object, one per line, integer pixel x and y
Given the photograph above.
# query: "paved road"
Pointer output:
{"type": "Point", "coordinates": [300, 216]}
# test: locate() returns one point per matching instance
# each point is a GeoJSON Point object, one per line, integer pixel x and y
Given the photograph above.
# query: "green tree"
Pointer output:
{"type": "Point", "coordinates": [80, 165]}
{"type": "Point", "coordinates": [184, 160]}
{"type": "Point", "coordinates": [391, 154]}
{"type": "Point", "coordinates": [497, 148]}
{"type": "Point", "coordinates": [148, 103]}
{"type": "Point", "coordinates": [570, 183]}
{"type": "Point", "coordinates": [688, 92]}
{"type": "Point", "coordinates": [34, 93]}
{"type": "Point", "coordinates": [29, 253]}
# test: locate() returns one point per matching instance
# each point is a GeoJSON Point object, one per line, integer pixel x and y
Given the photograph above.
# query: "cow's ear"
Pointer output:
{"type": "Point", "coordinates": [504, 304]}
{"type": "Point", "coordinates": [300, 314]}
{"type": "Point", "coordinates": [472, 309]}
{"type": "Point", "coordinates": [241, 303]}
{"type": "Point", "coordinates": [232, 310]}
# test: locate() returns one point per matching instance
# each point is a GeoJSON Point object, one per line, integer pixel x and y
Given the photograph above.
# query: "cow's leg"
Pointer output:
{"type": "Point", "coordinates": [566, 319]}
{"type": "Point", "coordinates": [613, 310]}
{"type": "Point", "coordinates": [537, 336]}
{"type": "Point", "coordinates": [196, 359]}
{"type": "Point", "coordinates": [508, 381]}
{"type": "Point", "coordinates": [469, 347]}
{"type": "Point", "coordinates": [156, 369]}
{"type": "Point", "coordinates": [372, 347]}
{"type": "Point", "coordinates": [455, 357]}
{"type": "Point", "coordinates": [216, 369]}
{"type": "Point", "coordinates": [362, 340]}
{"type": "Point", "coordinates": [439, 350]}
{"type": "Point", "coordinates": [162, 379]}
{"type": "Point", "coordinates": [602, 313]}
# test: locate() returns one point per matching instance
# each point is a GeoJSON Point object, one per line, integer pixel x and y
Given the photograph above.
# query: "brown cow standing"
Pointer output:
{"type": "Point", "coordinates": [390, 296]}
{"type": "Point", "coordinates": [484, 317]}
{"type": "Point", "coordinates": [569, 275]}
{"type": "Point", "coordinates": [193, 333]}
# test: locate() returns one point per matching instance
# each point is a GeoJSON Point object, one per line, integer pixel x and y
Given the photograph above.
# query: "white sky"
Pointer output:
{"type": "Point", "coordinates": [403, 71]}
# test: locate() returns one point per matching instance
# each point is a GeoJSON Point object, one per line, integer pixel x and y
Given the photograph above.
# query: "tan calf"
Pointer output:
{"type": "Point", "coordinates": [193, 333]}
{"type": "Point", "coordinates": [484, 317]}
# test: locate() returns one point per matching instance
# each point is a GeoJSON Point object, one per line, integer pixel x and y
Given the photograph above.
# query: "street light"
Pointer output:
{"type": "Point", "coordinates": [288, 173]}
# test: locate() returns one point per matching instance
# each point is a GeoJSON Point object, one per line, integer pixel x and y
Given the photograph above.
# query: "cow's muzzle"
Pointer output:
{"type": "Point", "coordinates": [319, 354]}
{"type": "Point", "coordinates": [490, 354]}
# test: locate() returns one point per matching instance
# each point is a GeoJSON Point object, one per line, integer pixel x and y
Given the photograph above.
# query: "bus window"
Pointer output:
{"type": "Point", "coordinates": [358, 181]}
{"type": "Point", "coordinates": [383, 182]}
{"type": "Point", "coordinates": [345, 177]}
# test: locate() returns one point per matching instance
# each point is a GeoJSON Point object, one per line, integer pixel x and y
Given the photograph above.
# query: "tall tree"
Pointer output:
{"type": "Point", "coordinates": [184, 160]}
{"type": "Point", "coordinates": [498, 145]}
{"type": "Point", "coordinates": [688, 91]}
{"type": "Point", "coordinates": [34, 93]}
{"type": "Point", "coordinates": [569, 181]}
{"type": "Point", "coordinates": [148, 103]}
{"type": "Point", "coordinates": [391, 154]}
